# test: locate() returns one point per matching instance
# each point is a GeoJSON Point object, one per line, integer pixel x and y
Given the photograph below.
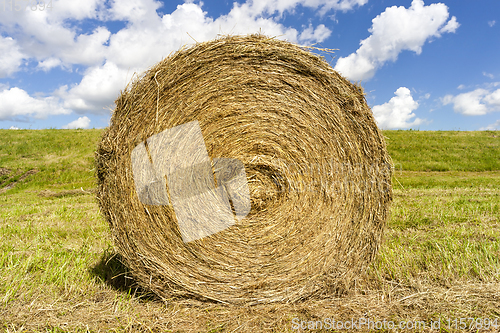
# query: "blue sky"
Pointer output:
{"type": "Point", "coordinates": [424, 65]}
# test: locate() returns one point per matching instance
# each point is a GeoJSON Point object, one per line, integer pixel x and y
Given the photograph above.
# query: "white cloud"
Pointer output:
{"type": "Point", "coordinates": [474, 103]}
{"type": "Point", "coordinates": [461, 87]}
{"type": "Point", "coordinates": [18, 103]}
{"type": "Point", "coordinates": [393, 31]}
{"type": "Point", "coordinates": [142, 43]}
{"type": "Point", "coordinates": [269, 7]}
{"type": "Point", "coordinates": [346, 5]}
{"type": "Point", "coordinates": [11, 57]}
{"type": "Point", "coordinates": [310, 34]}
{"type": "Point", "coordinates": [54, 39]}
{"type": "Point", "coordinates": [447, 99]}
{"type": "Point", "coordinates": [493, 98]}
{"type": "Point", "coordinates": [243, 20]}
{"type": "Point", "coordinates": [82, 122]}
{"type": "Point", "coordinates": [75, 9]}
{"type": "Point", "coordinates": [468, 103]}
{"type": "Point", "coordinates": [134, 11]}
{"type": "Point", "coordinates": [492, 23]}
{"type": "Point", "coordinates": [98, 89]}
{"type": "Point", "coordinates": [49, 63]}
{"type": "Point", "coordinates": [489, 75]}
{"type": "Point", "coordinates": [492, 127]}
{"type": "Point", "coordinates": [14, 128]}
{"type": "Point", "coordinates": [398, 112]}
{"type": "Point", "coordinates": [451, 26]}
{"type": "Point", "coordinates": [48, 34]}
{"type": "Point", "coordinates": [87, 49]}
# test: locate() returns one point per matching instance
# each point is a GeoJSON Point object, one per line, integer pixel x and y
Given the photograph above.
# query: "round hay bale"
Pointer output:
{"type": "Point", "coordinates": [287, 141]}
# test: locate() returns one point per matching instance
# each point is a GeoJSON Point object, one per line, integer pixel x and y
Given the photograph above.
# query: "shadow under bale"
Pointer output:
{"type": "Point", "coordinates": [111, 270]}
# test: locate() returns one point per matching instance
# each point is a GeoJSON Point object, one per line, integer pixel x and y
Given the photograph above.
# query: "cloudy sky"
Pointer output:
{"type": "Point", "coordinates": [424, 65]}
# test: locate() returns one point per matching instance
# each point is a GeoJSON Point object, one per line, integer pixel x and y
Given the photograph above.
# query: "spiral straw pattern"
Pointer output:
{"type": "Point", "coordinates": [317, 169]}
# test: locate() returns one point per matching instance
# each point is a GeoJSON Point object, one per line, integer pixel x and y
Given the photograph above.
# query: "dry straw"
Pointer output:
{"type": "Point", "coordinates": [316, 165]}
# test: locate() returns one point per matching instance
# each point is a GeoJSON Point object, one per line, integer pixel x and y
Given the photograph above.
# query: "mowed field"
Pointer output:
{"type": "Point", "coordinates": [439, 263]}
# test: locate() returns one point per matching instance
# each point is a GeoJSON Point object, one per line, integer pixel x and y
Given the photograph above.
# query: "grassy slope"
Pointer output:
{"type": "Point", "coordinates": [64, 158]}
{"type": "Point", "coordinates": [444, 150]}
{"type": "Point", "coordinates": [440, 259]}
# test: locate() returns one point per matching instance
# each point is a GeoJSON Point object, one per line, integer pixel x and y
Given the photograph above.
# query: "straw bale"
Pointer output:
{"type": "Point", "coordinates": [317, 172]}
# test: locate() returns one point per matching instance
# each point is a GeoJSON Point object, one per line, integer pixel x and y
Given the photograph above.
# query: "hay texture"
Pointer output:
{"type": "Point", "coordinates": [316, 167]}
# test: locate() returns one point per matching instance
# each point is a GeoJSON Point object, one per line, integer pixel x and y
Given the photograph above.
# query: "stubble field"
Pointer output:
{"type": "Point", "coordinates": [440, 260]}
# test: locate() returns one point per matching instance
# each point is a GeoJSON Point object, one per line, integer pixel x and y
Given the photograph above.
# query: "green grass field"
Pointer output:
{"type": "Point", "coordinates": [440, 259]}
